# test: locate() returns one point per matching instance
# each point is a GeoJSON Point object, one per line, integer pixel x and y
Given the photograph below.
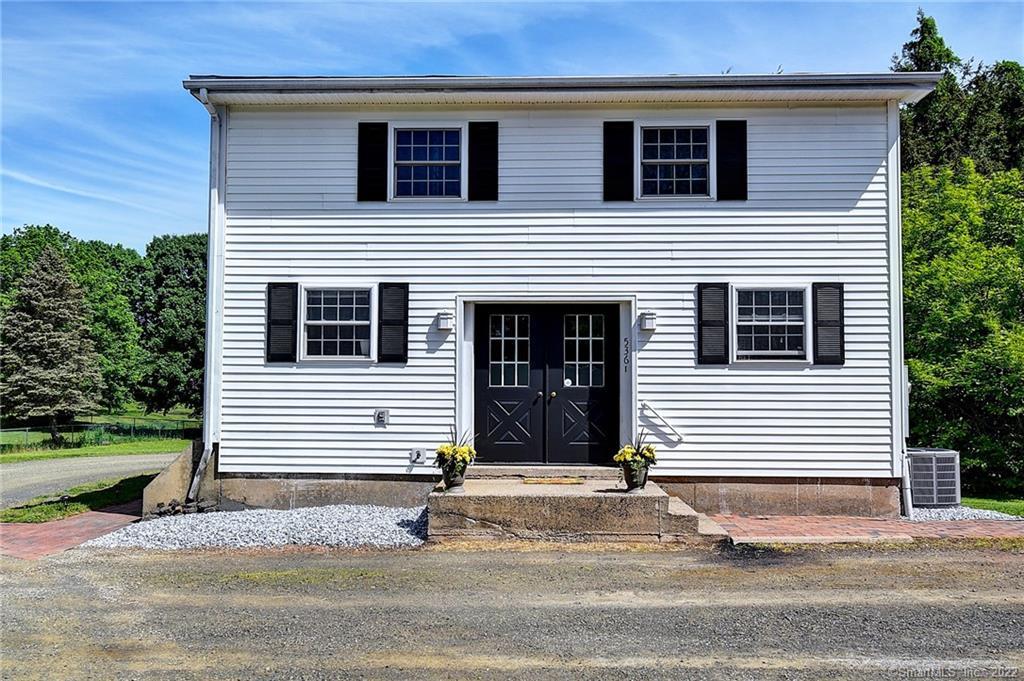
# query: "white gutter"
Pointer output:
{"type": "Point", "coordinates": [204, 98]}
{"type": "Point", "coordinates": [473, 90]}
{"type": "Point", "coordinates": [214, 289]}
{"type": "Point", "coordinates": [524, 83]}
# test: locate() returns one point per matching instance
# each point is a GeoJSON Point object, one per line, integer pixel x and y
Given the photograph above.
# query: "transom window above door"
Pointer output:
{"type": "Point", "coordinates": [428, 163]}
{"type": "Point", "coordinates": [771, 323]}
{"type": "Point", "coordinates": [674, 161]}
{"type": "Point", "coordinates": [337, 323]}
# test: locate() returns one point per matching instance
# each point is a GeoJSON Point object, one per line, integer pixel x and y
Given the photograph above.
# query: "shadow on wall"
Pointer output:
{"type": "Point", "coordinates": [436, 338]}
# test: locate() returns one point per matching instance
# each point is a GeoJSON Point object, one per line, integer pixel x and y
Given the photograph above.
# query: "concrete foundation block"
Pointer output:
{"type": "Point", "coordinates": [591, 510]}
{"type": "Point", "coordinates": [171, 484]}
{"type": "Point", "coordinates": [237, 493]}
{"type": "Point", "coordinates": [872, 497]}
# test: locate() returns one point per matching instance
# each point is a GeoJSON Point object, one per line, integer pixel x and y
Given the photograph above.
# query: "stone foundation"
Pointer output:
{"type": "Point", "coordinates": [873, 497]}
{"type": "Point", "coordinates": [239, 492]}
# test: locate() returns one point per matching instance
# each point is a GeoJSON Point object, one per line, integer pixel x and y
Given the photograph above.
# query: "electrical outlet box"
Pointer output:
{"type": "Point", "coordinates": [380, 418]}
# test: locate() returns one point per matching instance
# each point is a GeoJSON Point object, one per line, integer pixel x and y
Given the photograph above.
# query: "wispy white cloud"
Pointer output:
{"type": "Point", "coordinates": [98, 134]}
{"type": "Point", "coordinates": [84, 193]}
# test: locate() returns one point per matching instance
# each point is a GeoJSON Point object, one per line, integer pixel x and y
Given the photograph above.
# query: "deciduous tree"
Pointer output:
{"type": "Point", "coordinates": [963, 236]}
{"type": "Point", "coordinates": [172, 313]}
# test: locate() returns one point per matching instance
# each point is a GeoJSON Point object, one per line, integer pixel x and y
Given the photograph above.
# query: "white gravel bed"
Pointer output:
{"type": "Point", "coordinates": [920, 515]}
{"type": "Point", "coordinates": [376, 526]}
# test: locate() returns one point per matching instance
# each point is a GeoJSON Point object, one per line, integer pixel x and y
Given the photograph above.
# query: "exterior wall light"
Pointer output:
{"type": "Point", "coordinates": [445, 321]}
{"type": "Point", "coordinates": [648, 321]}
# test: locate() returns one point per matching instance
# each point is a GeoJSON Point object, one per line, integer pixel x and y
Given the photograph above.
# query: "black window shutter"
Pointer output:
{"type": "Point", "coordinates": [618, 161]}
{"type": "Point", "coordinates": [712, 323]}
{"type": "Point", "coordinates": [372, 166]}
{"type": "Point", "coordinates": [731, 160]}
{"type": "Point", "coordinates": [282, 321]}
{"type": "Point", "coordinates": [483, 161]}
{"type": "Point", "coordinates": [393, 323]}
{"type": "Point", "coordinates": [829, 344]}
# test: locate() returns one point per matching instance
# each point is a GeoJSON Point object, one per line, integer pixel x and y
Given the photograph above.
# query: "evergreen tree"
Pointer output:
{"type": "Point", "coordinates": [931, 130]}
{"type": "Point", "coordinates": [48, 365]}
{"type": "Point", "coordinates": [975, 112]}
{"type": "Point", "coordinates": [926, 50]}
{"type": "Point", "coordinates": [110, 277]}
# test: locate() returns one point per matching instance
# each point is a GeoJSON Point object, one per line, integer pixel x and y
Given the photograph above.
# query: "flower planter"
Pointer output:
{"type": "Point", "coordinates": [635, 478]}
{"type": "Point", "coordinates": [453, 481]}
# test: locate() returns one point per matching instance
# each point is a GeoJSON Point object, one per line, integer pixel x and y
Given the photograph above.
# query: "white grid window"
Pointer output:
{"type": "Point", "coordinates": [510, 350]}
{"type": "Point", "coordinates": [337, 322]}
{"type": "Point", "coordinates": [770, 323]}
{"type": "Point", "coordinates": [428, 163]}
{"type": "Point", "coordinates": [674, 162]}
{"type": "Point", "coordinates": [584, 350]}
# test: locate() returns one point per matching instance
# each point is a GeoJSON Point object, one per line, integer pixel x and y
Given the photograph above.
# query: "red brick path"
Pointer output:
{"type": "Point", "coordinates": [37, 540]}
{"type": "Point", "coordinates": [827, 529]}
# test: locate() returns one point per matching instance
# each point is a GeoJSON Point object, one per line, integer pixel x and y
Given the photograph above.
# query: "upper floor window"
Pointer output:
{"type": "Point", "coordinates": [771, 323]}
{"type": "Point", "coordinates": [337, 322]}
{"type": "Point", "coordinates": [428, 163]}
{"type": "Point", "coordinates": [674, 161]}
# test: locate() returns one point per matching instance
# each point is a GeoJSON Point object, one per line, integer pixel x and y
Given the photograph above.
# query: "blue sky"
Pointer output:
{"type": "Point", "coordinates": [99, 138]}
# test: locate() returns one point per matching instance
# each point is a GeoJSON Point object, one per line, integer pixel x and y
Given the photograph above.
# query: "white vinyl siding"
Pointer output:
{"type": "Point", "coordinates": [817, 212]}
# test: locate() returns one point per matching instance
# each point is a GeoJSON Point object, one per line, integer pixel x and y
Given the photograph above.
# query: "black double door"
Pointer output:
{"type": "Point", "coordinates": [546, 383]}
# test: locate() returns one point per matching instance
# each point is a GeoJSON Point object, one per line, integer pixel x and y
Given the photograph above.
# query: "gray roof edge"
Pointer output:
{"type": "Point", "coordinates": [217, 83]}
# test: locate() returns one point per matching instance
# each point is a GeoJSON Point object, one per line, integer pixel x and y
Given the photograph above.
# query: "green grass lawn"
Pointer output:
{"type": "Point", "coordinates": [89, 497]}
{"type": "Point", "coordinates": [22, 438]}
{"type": "Point", "coordinates": [154, 446]}
{"type": "Point", "coordinates": [1011, 506]}
{"type": "Point", "coordinates": [136, 411]}
{"type": "Point", "coordinates": [133, 421]}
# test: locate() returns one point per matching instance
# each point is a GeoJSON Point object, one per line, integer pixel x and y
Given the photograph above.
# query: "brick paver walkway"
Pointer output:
{"type": "Point", "coordinates": [31, 541]}
{"type": "Point", "coordinates": [790, 529]}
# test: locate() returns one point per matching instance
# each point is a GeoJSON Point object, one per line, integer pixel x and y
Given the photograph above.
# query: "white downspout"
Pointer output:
{"type": "Point", "coordinates": [908, 498]}
{"type": "Point", "coordinates": [898, 370]}
{"type": "Point", "coordinates": [214, 284]}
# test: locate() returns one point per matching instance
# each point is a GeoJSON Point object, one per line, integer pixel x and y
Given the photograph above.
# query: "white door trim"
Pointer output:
{"type": "Point", "coordinates": [465, 318]}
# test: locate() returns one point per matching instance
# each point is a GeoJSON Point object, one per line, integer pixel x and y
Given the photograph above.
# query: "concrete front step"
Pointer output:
{"type": "Point", "coordinates": [495, 471]}
{"type": "Point", "coordinates": [589, 510]}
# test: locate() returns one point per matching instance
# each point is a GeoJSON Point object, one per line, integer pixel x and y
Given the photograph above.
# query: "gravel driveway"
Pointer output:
{"type": "Point", "coordinates": [498, 613]}
{"type": "Point", "coordinates": [22, 481]}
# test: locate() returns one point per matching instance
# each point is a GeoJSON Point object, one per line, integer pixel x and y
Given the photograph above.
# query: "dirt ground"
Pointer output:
{"type": "Point", "coordinates": [500, 612]}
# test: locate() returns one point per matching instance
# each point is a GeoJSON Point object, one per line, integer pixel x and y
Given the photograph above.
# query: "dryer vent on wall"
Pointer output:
{"type": "Point", "coordinates": [934, 476]}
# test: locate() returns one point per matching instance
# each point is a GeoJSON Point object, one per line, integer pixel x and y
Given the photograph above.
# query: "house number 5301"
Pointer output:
{"type": "Point", "coordinates": [625, 355]}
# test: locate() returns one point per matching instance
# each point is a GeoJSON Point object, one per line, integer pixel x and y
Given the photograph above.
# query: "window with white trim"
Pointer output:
{"type": "Point", "coordinates": [674, 161]}
{"type": "Point", "coordinates": [336, 322]}
{"type": "Point", "coordinates": [771, 323]}
{"type": "Point", "coordinates": [428, 163]}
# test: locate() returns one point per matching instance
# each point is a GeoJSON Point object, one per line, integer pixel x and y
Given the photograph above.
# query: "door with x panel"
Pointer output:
{"type": "Point", "coordinates": [546, 385]}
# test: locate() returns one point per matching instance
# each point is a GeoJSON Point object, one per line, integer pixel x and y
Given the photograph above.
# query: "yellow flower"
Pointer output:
{"type": "Point", "coordinates": [629, 455]}
{"type": "Point", "coordinates": [452, 453]}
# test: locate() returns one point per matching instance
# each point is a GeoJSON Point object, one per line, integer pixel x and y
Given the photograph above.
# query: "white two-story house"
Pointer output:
{"type": "Point", "coordinates": [550, 264]}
